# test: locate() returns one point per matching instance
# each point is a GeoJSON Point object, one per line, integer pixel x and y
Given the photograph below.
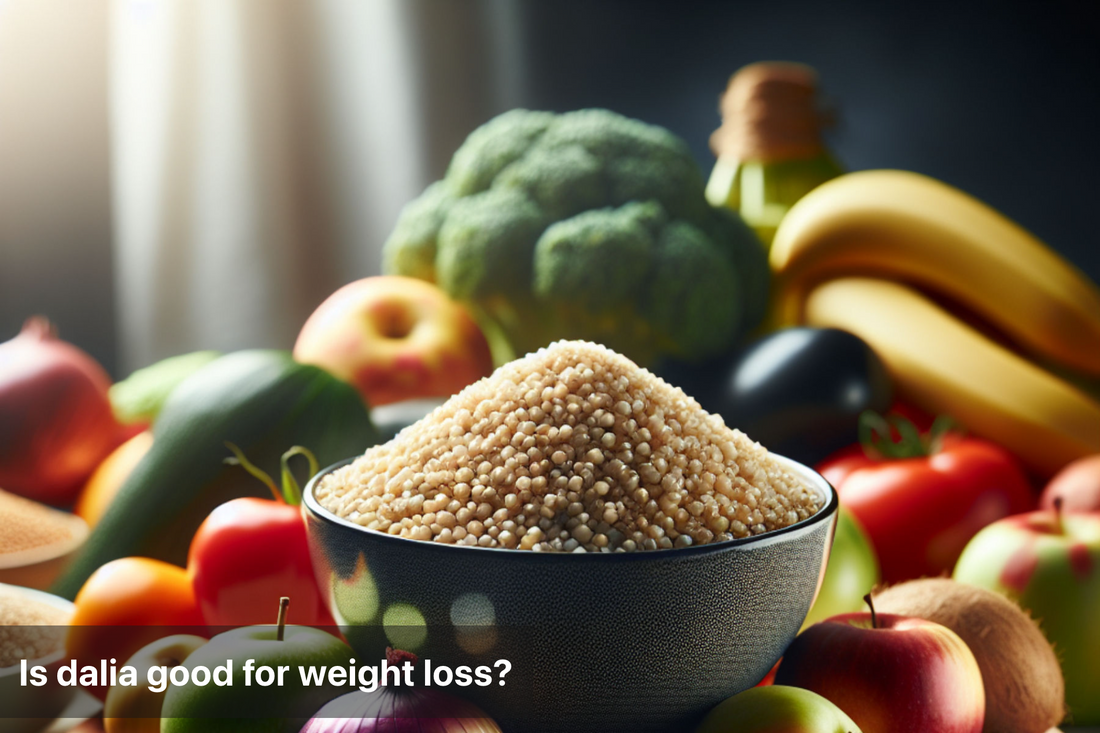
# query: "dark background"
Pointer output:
{"type": "Point", "coordinates": [998, 99]}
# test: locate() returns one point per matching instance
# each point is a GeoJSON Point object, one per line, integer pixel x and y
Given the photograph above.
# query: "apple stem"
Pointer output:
{"type": "Point", "coordinates": [284, 603]}
{"type": "Point", "coordinates": [1058, 526]}
{"type": "Point", "coordinates": [871, 605]}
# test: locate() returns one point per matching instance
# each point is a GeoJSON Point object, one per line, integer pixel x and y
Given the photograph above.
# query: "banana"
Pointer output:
{"type": "Point", "coordinates": [908, 227]}
{"type": "Point", "coordinates": [944, 365]}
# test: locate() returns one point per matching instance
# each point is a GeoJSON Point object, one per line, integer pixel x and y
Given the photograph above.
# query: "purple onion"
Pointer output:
{"type": "Point", "coordinates": [400, 710]}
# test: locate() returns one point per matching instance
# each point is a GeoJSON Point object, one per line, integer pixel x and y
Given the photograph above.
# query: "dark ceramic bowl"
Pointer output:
{"type": "Point", "coordinates": [645, 641]}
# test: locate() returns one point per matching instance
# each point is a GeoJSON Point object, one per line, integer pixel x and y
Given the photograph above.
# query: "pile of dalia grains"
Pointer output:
{"type": "Point", "coordinates": [27, 526]}
{"type": "Point", "coordinates": [29, 629]}
{"type": "Point", "coordinates": [573, 448]}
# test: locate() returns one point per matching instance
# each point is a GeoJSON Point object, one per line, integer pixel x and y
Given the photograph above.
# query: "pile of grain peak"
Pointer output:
{"type": "Point", "coordinates": [571, 449]}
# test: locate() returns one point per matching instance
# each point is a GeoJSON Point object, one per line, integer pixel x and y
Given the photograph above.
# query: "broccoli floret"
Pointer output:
{"type": "Point", "coordinates": [411, 249]}
{"type": "Point", "coordinates": [585, 225]}
{"type": "Point", "coordinates": [491, 147]}
{"type": "Point", "coordinates": [750, 259]}
{"type": "Point", "coordinates": [486, 243]}
{"type": "Point", "coordinates": [562, 181]}
{"type": "Point", "coordinates": [597, 259]}
{"type": "Point", "coordinates": [610, 136]}
{"type": "Point", "coordinates": [689, 290]}
{"type": "Point", "coordinates": [640, 162]}
{"type": "Point", "coordinates": [645, 179]}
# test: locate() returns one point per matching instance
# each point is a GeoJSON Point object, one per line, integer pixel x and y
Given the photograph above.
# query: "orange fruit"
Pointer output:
{"type": "Point", "coordinates": [109, 476]}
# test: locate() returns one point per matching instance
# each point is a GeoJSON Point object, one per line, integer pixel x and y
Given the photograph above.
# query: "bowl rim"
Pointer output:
{"type": "Point", "coordinates": [826, 513]}
{"type": "Point", "coordinates": [49, 599]}
{"type": "Point", "coordinates": [21, 559]}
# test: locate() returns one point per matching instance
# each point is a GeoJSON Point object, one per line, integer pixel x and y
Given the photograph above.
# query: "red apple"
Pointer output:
{"type": "Point", "coordinates": [1077, 485]}
{"type": "Point", "coordinates": [395, 338]}
{"type": "Point", "coordinates": [890, 674]}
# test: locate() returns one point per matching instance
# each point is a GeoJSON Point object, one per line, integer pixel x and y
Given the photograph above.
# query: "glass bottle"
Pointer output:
{"type": "Point", "coordinates": [769, 147]}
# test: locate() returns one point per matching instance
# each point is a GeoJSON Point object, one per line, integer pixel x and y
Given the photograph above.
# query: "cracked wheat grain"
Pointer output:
{"type": "Point", "coordinates": [571, 449]}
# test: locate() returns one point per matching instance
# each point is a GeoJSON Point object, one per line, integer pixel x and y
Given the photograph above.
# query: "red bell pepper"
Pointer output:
{"type": "Point", "coordinates": [250, 552]}
{"type": "Point", "coordinates": [922, 497]}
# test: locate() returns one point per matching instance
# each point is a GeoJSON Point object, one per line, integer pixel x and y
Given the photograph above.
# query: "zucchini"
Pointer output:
{"type": "Point", "coordinates": [261, 400]}
{"type": "Point", "coordinates": [139, 398]}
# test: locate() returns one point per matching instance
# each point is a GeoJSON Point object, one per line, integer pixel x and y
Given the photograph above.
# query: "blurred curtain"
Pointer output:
{"type": "Point", "coordinates": [261, 150]}
{"type": "Point", "coordinates": [55, 221]}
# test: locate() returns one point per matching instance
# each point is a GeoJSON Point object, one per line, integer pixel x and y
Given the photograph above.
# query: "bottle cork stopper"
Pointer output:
{"type": "Point", "coordinates": [769, 113]}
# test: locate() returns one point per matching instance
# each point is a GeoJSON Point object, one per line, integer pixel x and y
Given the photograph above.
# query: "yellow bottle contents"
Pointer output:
{"type": "Point", "coordinates": [763, 192]}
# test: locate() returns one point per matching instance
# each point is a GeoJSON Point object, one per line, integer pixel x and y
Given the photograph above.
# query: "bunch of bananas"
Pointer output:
{"type": "Point", "coordinates": [973, 316]}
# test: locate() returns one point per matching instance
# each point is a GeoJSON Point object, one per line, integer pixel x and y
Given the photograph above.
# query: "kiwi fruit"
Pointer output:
{"type": "Point", "coordinates": [1024, 688]}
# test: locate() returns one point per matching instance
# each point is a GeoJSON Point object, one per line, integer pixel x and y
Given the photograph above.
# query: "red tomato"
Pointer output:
{"type": "Point", "coordinates": [921, 492]}
{"type": "Point", "coordinates": [245, 556]}
{"type": "Point", "coordinates": [920, 512]}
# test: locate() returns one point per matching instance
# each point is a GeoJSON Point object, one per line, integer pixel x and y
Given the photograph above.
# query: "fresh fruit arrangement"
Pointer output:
{"type": "Point", "coordinates": [137, 709]}
{"type": "Point", "coordinates": [126, 604]}
{"type": "Point", "coordinates": [921, 498]}
{"type": "Point", "coordinates": [1024, 689]}
{"type": "Point", "coordinates": [871, 252]}
{"type": "Point", "coordinates": [933, 361]}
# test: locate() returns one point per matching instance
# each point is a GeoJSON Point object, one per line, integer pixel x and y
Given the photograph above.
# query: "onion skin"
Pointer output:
{"type": "Point", "coordinates": [56, 422]}
{"type": "Point", "coordinates": [400, 710]}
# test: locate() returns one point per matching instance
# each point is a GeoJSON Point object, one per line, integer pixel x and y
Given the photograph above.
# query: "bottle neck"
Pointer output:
{"type": "Point", "coordinates": [770, 114]}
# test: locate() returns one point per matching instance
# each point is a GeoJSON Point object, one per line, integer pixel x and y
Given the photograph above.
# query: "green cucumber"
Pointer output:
{"type": "Point", "coordinates": [262, 401]}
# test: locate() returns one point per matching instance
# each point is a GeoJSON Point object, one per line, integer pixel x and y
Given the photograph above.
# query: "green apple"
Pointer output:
{"type": "Point", "coordinates": [136, 708]}
{"type": "Point", "coordinates": [238, 707]}
{"type": "Point", "coordinates": [851, 573]}
{"type": "Point", "coordinates": [1049, 562]}
{"type": "Point", "coordinates": [777, 709]}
